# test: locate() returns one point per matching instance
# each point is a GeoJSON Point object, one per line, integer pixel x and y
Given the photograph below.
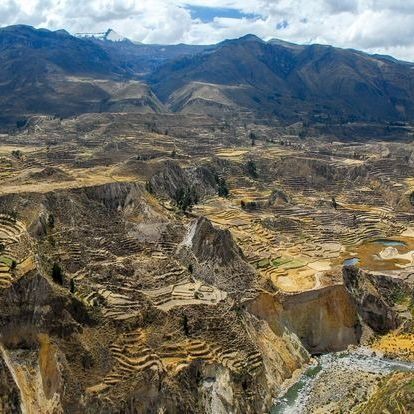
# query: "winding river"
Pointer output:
{"type": "Point", "coordinates": [294, 400]}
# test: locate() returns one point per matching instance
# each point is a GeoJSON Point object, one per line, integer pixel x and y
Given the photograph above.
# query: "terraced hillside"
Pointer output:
{"type": "Point", "coordinates": [171, 263]}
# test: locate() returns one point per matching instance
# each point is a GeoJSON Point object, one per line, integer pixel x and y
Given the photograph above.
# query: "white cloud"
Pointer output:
{"type": "Point", "coordinates": [340, 6]}
{"type": "Point", "coordinates": [377, 26]}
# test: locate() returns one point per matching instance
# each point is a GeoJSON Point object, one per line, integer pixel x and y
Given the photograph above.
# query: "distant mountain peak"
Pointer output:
{"type": "Point", "coordinates": [283, 43]}
{"type": "Point", "coordinates": [251, 37]}
{"type": "Point", "coordinates": [244, 39]}
{"type": "Point", "coordinates": [113, 36]}
{"type": "Point", "coordinates": [110, 35]}
{"type": "Point", "coordinates": [62, 32]}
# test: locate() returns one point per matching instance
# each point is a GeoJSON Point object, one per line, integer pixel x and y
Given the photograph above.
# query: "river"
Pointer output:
{"type": "Point", "coordinates": [294, 400]}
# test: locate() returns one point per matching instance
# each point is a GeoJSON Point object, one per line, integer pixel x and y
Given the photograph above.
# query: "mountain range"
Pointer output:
{"type": "Point", "coordinates": [55, 73]}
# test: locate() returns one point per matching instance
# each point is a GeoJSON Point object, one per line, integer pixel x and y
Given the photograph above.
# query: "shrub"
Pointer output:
{"type": "Point", "coordinates": [57, 274]}
{"type": "Point", "coordinates": [303, 133]}
{"type": "Point", "coordinates": [185, 198]}
{"type": "Point", "coordinates": [223, 190]}
{"type": "Point", "coordinates": [398, 295]}
{"type": "Point", "coordinates": [87, 361]}
{"type": "Point", "coordinates": [17, 154]}
{"type": "Point", "coordinates": [149, 187]}
{"type": "Point", "coordinates": [51, 221]}
{"type": "Point", "coordinates": [251, 169]}
{"type": "Point", "coordinates": [21, 123]}
{"type": "Point", "coordinates": [72, 286]}
{"type": "Point", "coordinates": [253, 138]}
{"type": "Point", "coordinates": [185, 325]}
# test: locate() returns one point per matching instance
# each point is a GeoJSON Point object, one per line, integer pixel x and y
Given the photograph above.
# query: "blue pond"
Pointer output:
{"type": "Point", "coordinates": [386, 242]}
{"type": "Point", "coordinates": [352, 261]}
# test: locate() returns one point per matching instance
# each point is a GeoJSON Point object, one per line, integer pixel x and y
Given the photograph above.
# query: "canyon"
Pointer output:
{"type": "Point", "coordinates": [204, 229]}
{"type": "Point", "coordinates": [143, 273]}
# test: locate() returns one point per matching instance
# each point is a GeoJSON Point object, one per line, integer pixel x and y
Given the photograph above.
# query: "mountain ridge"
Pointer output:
{"type": "Point", "coordinates": [341, 82]}
{"type": "Point", "coordinates": [53, 72]}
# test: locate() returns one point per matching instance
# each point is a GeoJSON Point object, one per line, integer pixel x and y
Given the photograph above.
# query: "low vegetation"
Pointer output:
{"type": "Point", "coordinates": [185, 198]}
{"type": "Point", "coordinates": [251, 169]}
{"type": "Point", "coordinates": [222, 189]}
{"type": "Point", "coordinates": [57, 274]}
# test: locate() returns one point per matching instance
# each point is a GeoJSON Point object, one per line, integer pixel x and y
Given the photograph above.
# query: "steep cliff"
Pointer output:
{"type": "Point", "coordinates": [376, 297]}
{"type": "Point", "coordinates": [325, 319]}
{"type": "Point", "coordinates": [215, 258]}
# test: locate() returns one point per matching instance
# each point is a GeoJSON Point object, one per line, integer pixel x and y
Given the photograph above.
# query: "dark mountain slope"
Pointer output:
{"type": "Point", "coordinates": [143, 59]}
{"type": "Point", "coordinates": [54, 73]}
{"type": "Point", "coordinates": [288, 81]}
{"type": "Point", "coordinates": [44, 72]}
{"type": "Point", "coordinates": [25, 46]}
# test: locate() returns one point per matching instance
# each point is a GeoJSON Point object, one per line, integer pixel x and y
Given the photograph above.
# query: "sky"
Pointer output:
{"type": "Point", "coordinates": [375, 26]}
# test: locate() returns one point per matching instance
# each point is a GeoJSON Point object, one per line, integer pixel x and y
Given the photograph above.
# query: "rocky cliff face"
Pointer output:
{"type": "Point", "coordinates": [36, 318]}
{"type": "Point", "coordinates": [10, 394]}
{"type": "Point", "coordinates": [215, 258]}
{"type": "Point", "coordinates": [171, 177]}
{"type": "Point", "coordinates": [376, 296]}
{"type": "Point", "coordinates": [325, 320]}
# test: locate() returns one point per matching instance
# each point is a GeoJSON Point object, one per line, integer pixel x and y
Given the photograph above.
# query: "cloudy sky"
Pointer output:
{"type": "Point", "coordinates": [377, 26]}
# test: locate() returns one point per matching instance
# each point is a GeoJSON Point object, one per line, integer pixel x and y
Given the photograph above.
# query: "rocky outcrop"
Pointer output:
{"type": "Point", "coordinates": [278, 197]}
{"type": "Point", "coordinates": [115, 196]}
{"type": "Point", "coordinates": [395, 394]}
{"type": "Point", "coordinates": [10, 402]}
{"type": "Point", "coordinates": [210, 243]}
{"type": "Point", "coordinates": [35, 314]}
{"type": "Point", "coordinates": [324, 320]}
{"type": "Point", "coordinates": [375, 296]}
{"type": "Point", "coordinates": [171, 177]}
{"type": "Point", "coordinates": [32, 306]}
{"type": "Point", "coordinates": [215, 258]}
{"type": "Point", "coordinates": [39, 390]}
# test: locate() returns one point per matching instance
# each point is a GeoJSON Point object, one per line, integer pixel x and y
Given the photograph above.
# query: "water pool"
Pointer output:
{"type": "Point", "coordinates": [386, 242]}
{"type": "Point", "coordinates": [352, 261]}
